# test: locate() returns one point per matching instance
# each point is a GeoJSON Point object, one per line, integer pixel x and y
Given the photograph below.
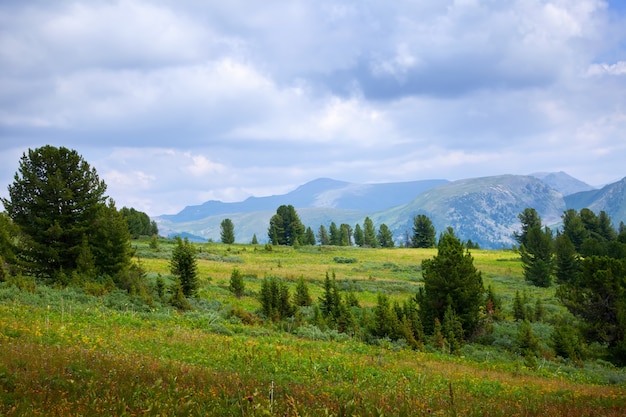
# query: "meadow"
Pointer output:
{"type": "Point", "coordinates": [66, 351]}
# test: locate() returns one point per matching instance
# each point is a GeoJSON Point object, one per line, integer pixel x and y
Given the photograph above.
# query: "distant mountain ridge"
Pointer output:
{"type": "Point", "coordinates": [322, 192]}
{"type": "Point", "coordinates": [483, 209]}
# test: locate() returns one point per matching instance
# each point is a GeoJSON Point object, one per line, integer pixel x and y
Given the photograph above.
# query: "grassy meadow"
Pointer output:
{"type": "Point", "coordinates": [66, 351]}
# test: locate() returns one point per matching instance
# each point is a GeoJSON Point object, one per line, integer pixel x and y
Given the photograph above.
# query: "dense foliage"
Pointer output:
{"type": "Point", "coordinates": [451, 282]}
{"type": "Point", "coordinates": [285, 227]}
{"type": "Point", "coordinates": [67, 231]}
{"type": "Point", "coordinates": [423, 232]}
{"type": "Point", "coordinates": [227, 232]}
{"type": "Point", "coordinates": [139, 223]}
{"type": "Point", "coordinates": [184, 265]}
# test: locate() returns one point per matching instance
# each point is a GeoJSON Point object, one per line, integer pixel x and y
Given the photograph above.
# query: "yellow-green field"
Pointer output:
{"type": "Point", "coordinates": [63, 352]}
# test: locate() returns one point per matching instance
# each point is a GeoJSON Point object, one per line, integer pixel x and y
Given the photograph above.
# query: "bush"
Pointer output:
{"type": "Point", "coordinates": [342, 260]}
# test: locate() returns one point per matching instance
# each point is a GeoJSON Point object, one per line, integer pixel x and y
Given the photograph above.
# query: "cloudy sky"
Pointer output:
{"type": "Point", "coordinates": [179, 102]}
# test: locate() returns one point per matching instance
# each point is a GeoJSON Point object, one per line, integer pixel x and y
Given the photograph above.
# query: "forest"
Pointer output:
{"type": "Point", "coordinates": [100, 314]}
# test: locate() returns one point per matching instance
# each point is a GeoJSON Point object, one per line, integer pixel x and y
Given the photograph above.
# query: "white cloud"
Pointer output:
{"type": "Point", "coordinates": [619, 68]}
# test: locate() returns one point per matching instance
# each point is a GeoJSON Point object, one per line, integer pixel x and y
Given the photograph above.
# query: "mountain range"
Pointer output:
{"type": "Point", "coordinates": [484, 209]}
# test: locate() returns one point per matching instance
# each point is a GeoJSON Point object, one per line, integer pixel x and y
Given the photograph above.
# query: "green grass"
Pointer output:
{"type": "Point", "coordinates": [63, 352]}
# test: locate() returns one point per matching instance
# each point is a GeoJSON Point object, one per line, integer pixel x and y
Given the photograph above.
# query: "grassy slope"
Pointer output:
{"type": "Point", "coordinates": [65, 353]}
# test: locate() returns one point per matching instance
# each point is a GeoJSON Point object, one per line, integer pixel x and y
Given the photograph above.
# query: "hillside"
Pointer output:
{"type": "Point", "coordinates": [610, 198]}
{"type": "Point", "coordinates": [484, 209]}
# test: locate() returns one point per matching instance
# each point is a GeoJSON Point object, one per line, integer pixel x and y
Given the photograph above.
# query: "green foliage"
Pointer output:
{"type": "Point", "coordinates": [385, 237]}
{"type": "Point", "coordinates": [55, 200]}
{"type": "Point", "coordinates": [322, 236]}
{"type": "Point", "coordinates": [183, 265]}
{"type": "Point", "coordinates": [529, 219]}
{"type": "Point", "coordinates": [566, 342]}
{"type": "Point", "coordinates": [358, 235]}
{"type": "Point", "coordinates": [9, 233]}
{"type": "Point", "coordinates": [227, 232]}
{"type": "Point", "coordinates": [537, 254]}
{"type": "Point", "coordinates": [139, 223]}
{"type": "Point", "coordinates": [424, 235]}
{"type": "Point", "coordinates": [526, 341]}
{"type": "Point", "coordinates": [112, 253]}
{"type": "Point", "coordinates": [254, 240]}
{"type": "Point", "coordinates": [598, 298]}
{"type": "Point", "coordinates": [369, 234]}
{"type": "Point", "coordinates": [450, 279]}
{"type": "Point", "coordinates": [334, 234]}
{"type": "Point", "coordinates": [285, 227]}
{"type": "Point", "coordinates": [309, 237]}
{"type": "Point", "coordinates": [302, 297]}
{"type": "Point", "coordinates": [567, 261]}
{"type": "Point", "coordinates": [237, 285]}
{"type": "Point", "coordinates": [275, 299]}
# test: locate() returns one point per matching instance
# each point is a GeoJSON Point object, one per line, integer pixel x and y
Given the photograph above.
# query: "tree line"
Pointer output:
{"type": "Point", "coordinates": [285, 228]}
{"type": "Point", "coordinates": [587, 259]}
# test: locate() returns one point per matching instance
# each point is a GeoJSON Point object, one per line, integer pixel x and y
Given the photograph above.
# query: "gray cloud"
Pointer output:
{"type": "Point", "coordinates": [177, 103]}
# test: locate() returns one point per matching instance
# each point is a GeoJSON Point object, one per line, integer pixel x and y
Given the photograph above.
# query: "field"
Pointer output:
{"type": "Point", "coordinates": [65, 352]}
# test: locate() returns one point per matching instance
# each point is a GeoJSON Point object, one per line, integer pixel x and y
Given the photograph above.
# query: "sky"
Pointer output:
{"type": "Point", "coordinates": [178, 102]}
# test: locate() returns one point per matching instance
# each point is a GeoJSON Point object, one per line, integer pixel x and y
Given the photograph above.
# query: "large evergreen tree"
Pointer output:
{"type": "Point", "coordinates": [369, 234]}
{"type": "Point", "coordinates": [285, 227]}
{"type": "Point", "coordinates": [450, 279]}
{"type": "Point", "coordinates": [537, 256]}
{"type": "Point", "coordinates": [55, 199]}
{"type": "Point", "coordinates": [385, 237]}
{"type": "Point", "coordinates": [423, 232]}
{"type": "Point", "coordinates": [227, 231]}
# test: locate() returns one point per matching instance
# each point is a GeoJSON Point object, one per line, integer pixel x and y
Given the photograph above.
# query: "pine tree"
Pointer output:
{"type": "Point", "coordinates": [54, 200]}
{"type": "Point", "coordinates": [450, 278]}
{"type": "Point", "coordinates": [309, 237]}
{"type": "Point", "coordinates": [536, 250]}
{"type": "Point", "coordinates": [358, 235]}
{"type": "Point", "coordinates": [322, 236]}
{"type": "Point", "coordinates": [237, 286]}
{"type": "Point", "coordinates": [519, 313]}
{"type": "Point", "coordinates": [183, 264]}
{"type": "Point", "coordinates": [335, 235]}
{"type": "Point", "coordinates": [423, 232]}
{"type": "Point", "coordinates": [227, 232]}
{"type": "Point", "coordinates": [385, 237]}
{"type": "Point", "coordinates": [302, 296]}
{"type": "Point", "coordinates": [369, 234]}
{"type": "Point", "coordinates": [567, 261]}
{"type": "Point", "coordinates": [285, 227]}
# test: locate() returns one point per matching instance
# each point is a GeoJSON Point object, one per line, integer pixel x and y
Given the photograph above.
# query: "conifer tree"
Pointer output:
{"type": "Point", "coordinates": [227, 232]}
{"type": "Point", "coordinates": [183, 265]}
{"type": "Point", "coordinates": [423, 232]}
{"type": "Point", "coordinates": [369, 234]}
{"type": "Point", "coordinates": [237, 286]}
{"type": "Point", "coordinates": [302, 296]}
{"type": "Point", "coordinates": [450, 278]}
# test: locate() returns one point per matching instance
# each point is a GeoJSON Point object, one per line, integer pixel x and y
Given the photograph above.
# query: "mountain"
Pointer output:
{"type": "Point", "coordinates": [610, 198]}
{"type": "Point", "coordinates": [484, 209]}
{"type": "Point", "coordinates": [563, 182]}
{"type": "Point", "coordinates": [322, 193]}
